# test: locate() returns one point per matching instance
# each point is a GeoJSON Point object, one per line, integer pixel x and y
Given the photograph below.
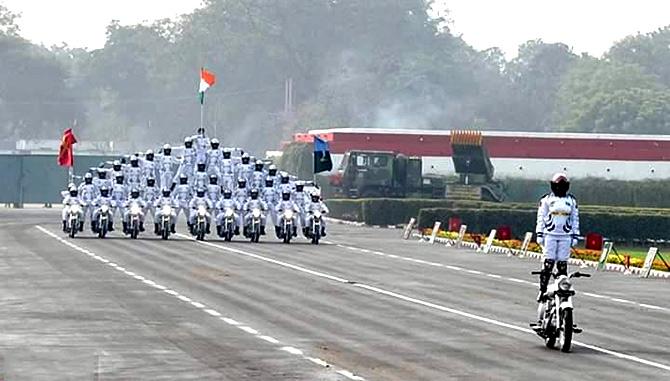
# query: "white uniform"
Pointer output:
{"type": "Point", "coordinates": [558, 224]}
{"type": "Point", "coordinates": [255, 204]}
{"type": "Point", "coordinates": [149, 195]}
{"type": "Point", "coordinates": [213, 193]}
{"type": "Point", "coordinates": [221, 207]}
{"type": "Point", "coordinates": [119, 195]}
{"type": "Point", "coordinates": [269, 195]}
{"type": "Point", "coordinates": [214, 162]}
{"type": "Point", "coordinates": [195, 203]}
{"type": "Point", "coordinates": [166, 166]}
{"type": "Point", "coordinates": [87, 193]}
{"type": "Point", "coordinates": [182, 197]}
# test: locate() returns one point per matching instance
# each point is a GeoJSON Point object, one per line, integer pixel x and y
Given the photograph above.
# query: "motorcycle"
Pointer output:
{"type": "Point", "coordinates": [75, 224]}
{"type": "Point", "coordinates": [134, 222]}
{"type": "Point", "coordinates": [165, 225]}
{"type": "Point", "coordinates": [200, 227]}
{"type": "Point", "coordinates": [288, 227]}
{"type": "Point", "coordinates": [227, 229]}
{"type": "Point", "coordinates": [102, 223]}
{"type": "Point", "coordinates": [253, 230]}
{"type": "Point", "coordinates": [314, 227]}
{"type": "Point", "coordinates": [556, 324]}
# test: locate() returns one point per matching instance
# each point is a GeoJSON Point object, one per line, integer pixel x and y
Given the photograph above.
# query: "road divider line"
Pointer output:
{"type": "Point", "coordinates": [497, 276]}
{"type": "Point", "coordinates": [209, 311]}
{"type": "Point", "coordinates": [432, 305]}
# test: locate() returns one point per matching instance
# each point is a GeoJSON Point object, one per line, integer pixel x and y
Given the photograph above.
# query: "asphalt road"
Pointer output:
{"type": "Point", "coordinates": [364, 305]}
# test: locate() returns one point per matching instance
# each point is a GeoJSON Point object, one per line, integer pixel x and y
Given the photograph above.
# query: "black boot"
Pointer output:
{"type": "Point", "coordinates": [207, 227]}
{"type": "Point", "coordinates": [323, 231]}
{"type": "Point", "coordinates": [157, 229]}
{"type": "Point", "coordinates": [125, 227]}
{"type": "Point", "coordinates": [94, 226]}
{"type": "Point", "coordinates": [295, 231]}
{"type": "Point", "coordinates": [263, 230]}
{"type": "Point", "coordinates": [278, 231]}
{"type": "Point", "coordinates": [64, 226]}
{"type": "Point", "coordinates": [110, 226]}
{"type": "Point", "coordinates": [237, 230]}
{"type": "Point", "coordinates": [141, 226]}
{"type": "Point", "coordinates": [81, 226]}
{"type": "Point", "coordinates": [172, 229]}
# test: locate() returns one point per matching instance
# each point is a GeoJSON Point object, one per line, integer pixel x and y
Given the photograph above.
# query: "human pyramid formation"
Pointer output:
{"type": "Point", "coordinates": [205, 180]}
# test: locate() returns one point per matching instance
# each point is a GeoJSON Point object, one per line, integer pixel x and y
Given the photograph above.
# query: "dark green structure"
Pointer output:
{"type": "Point", "coordinates": [37, 178]}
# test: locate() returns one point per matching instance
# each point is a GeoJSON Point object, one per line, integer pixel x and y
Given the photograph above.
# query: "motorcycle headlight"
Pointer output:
{"type": "Point", "coordinates": [104, 209]}
{"type": "Point", "coordinates": [288, 214]}
{"type": "Point", "coordinates": [166, 210]}
{"type": "Point", "coordinates": [256, 213]}
{"type": "Point", "coordinates": [202, 211]}
{"type": "Point", "coordinates": [564, 284]}
{"type": "Point", "coordinates": [135, 209]}
{"type": "Point", "coordinates": [75, 209]}
{"type": "Point", "coordinates": [317, 214]}
{"type": "Point", "coordinates": [229, 213]}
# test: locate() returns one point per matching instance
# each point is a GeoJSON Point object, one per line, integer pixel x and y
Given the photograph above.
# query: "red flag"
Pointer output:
{"type": "Point", "coordinates": [66, 156]}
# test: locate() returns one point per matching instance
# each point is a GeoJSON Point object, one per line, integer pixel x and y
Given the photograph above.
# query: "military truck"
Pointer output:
{"type": "Point", "coordinates": [384, 174]}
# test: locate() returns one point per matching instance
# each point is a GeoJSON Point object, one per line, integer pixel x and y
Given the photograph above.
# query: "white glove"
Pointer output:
{"type": "Point", "coordinates": [540, 240]}
{"type": "Point", "coordinates": [575, 241]}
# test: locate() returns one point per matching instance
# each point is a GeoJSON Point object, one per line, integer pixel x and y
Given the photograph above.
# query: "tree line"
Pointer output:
{"type": "Point", "coordinates": [352, 63]}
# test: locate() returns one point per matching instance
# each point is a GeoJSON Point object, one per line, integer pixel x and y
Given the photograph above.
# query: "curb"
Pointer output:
{"type": "Point", "coordinates": [578, 262]}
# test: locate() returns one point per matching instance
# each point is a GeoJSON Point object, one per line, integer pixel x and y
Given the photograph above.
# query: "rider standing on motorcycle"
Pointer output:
{"type": "Point", "coordinates": [269, 195]}
{"type": "Point", "coordinates": [284, 184]}
{"type": "Point", "coordinates": [102, 180]}
{"type": "Point", "coordinates": [301, 199]}
{"type": "Point", "coordinates": [165, 199]}
{"type": "Point", "coordinates": [314, 205]}
{"type": "Point", "coordinates": [285, 204]}
{"type": "Point", "coordinates": [199, 200]}
{"type": "Point", "coordinates": [227, 202]}
{"type": "Point", "coordinates": [149, 195]}
{"type": "Point", "coordinates": [119, 195]}
{"type": "Point", "coordinates": [187, 164]}
{"type": "Point", "coordinates": [117, 169]}
{"type": "Point", "coordinates": [103, 198]}
{"type": "Point", "coordinates": [182, 196]}
{"type": "Point", "coordinates": [255, 203]}
{"type": "Point", "coordinates": [557, 228]}
{"type": "Point", "coordinates": [87, 192]}
{"type": "Point", "coordinates": [134, 199]}
{"type": "Point", "coordinates": [72, 198]}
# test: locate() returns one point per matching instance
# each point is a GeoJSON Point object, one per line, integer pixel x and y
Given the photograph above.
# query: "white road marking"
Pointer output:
{"type": "Point", "coordinates": [349, 375]}
{"type": "Point", "coordinates": [497, 276]}
{"type": "Point", "coordinates": [439, 307]}
{"type": "Point", "coordinates": [318, 361]}
{"type": "Point", "coordinates": [210, 311]}
{"type": "Point", "coordinates": [248, 329]}
{"type": "Point", "coordinates": [269, 339]}
{"type": "Point", "coordinates": [230, 321]}
{"type": "Point", "coordinates": [291, 350]}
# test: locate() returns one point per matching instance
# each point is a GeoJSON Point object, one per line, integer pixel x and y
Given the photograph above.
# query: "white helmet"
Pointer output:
{"type": "Point", "coordinates": [214, 141]}
{"type": "Point", "coordinates": [149, 152]}
{"type": "Point", "coordinates": [167, 146]}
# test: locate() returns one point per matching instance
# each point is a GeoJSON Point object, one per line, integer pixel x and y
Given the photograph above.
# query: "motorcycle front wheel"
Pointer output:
{"type": "Point", "coordinates": [565, 333]}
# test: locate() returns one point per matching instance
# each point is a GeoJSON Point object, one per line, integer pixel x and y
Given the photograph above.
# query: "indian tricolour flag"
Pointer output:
{"type": "Point", "coordinates": [207, 80]}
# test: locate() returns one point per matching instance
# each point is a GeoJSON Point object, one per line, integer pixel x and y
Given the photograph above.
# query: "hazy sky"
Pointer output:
{"type": "Point", "coordinates": [586, 25]}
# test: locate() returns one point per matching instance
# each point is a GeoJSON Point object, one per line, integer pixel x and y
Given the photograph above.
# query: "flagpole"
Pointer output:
{"type": "Point", "coordinates": [202, 113]}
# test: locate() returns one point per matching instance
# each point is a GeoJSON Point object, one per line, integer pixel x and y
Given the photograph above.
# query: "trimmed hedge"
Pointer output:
{"type": "Point", "coordinates": [594, 191]}
{"type": "Point", "coordinates": [388, 211]}
{"type": "Point", "coordinates": [619, 226]}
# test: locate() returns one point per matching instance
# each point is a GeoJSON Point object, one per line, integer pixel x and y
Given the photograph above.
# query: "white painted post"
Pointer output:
{"type": "Point", "coordinates": [648, 262]}
{"type": "Point", "coordinates": [603, 256]}
{"type": "Point", "coordinates": [526, 243]}
{"type": "Point", "coordinates": [408, 228]}
{"type": "Point", "coordinates": [461, 235]}
{"type": "Point", "coordinates": [489, 241]}
{"type": "Point", "coordinates": [436, 228]}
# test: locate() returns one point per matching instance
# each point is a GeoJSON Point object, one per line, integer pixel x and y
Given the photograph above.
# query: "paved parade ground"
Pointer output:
{"type": "Point", "coordinates": [363, 305]}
